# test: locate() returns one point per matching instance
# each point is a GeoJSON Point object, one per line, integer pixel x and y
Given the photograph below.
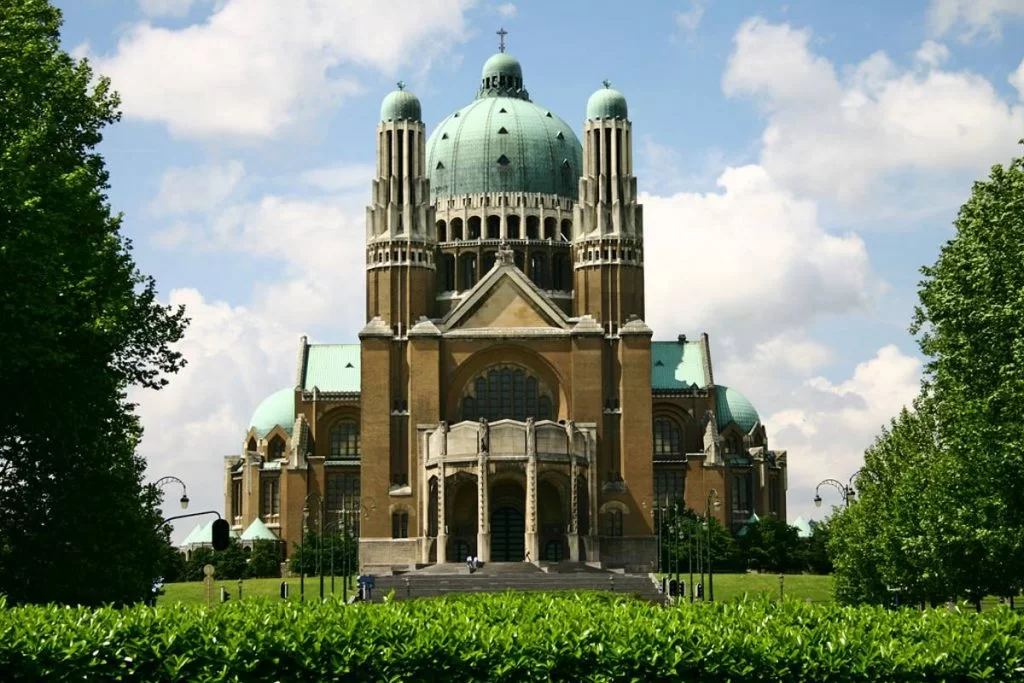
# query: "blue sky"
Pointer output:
{"type": "Point", "coordinates": [799, 162]}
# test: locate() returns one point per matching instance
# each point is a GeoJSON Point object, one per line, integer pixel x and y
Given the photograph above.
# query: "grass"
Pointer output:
{"type": "Point", "coordinates": [194, 592]}
{"type": "Point", "coordinates": [728, 587]}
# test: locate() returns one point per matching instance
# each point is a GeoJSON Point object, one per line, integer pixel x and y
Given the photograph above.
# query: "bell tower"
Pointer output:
{"type": "Point", "coordinates": [608, 249]}
{"type": "Point", "coordinates": [400, 235]}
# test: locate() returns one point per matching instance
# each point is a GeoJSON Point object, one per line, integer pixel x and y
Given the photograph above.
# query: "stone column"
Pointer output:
{"type": "Point", "coordinates": [442, 519]}
{"type": "Point", "coordinates": [532, 542]}
{"type": "Point", "coordinates": [483, 529]}
{"type": "Point", "coordinates": [574, 518]}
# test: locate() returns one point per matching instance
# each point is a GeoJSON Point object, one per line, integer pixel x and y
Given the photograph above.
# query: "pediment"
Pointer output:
{"type": "Point", "coordinates": [505, 299]}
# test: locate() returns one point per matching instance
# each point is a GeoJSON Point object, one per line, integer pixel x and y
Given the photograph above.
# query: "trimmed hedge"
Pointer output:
{"type": "Point", "coordinates": [508, 637]}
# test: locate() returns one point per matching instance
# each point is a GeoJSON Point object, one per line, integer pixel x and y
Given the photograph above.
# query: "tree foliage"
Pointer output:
{"type": "Point", "coordinates": [941, 511]}
{"type": "Point", "coordinates": [264, 560]}
{"type": "Point", "coordinates": [81, 325]}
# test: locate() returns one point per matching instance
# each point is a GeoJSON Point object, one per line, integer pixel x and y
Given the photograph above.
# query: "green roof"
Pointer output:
{"type": "Point", "coordinates": [276, 410]}
{"type": "Point", "coordinates": [732, 406]}
{"type": "Point", "coordinates": [400, 105]}
{"type": "Point", "coordinates": [503, 142]}
{"type": "Point", "coordinates": [192, 536]}
{"type": "Point", "coordinates": [803, 527]}
{"type": "Point", "coordinates": [677, 365]}
{"type": "Point", "coordinates": [258, 531]}
{"type": "Point", "coordinates": [607, 103]}
{"type": "Point", "coordinates": [332, 367]}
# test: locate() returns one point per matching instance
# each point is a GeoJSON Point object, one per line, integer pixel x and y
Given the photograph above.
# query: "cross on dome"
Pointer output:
{"type": "Point", "coordinates": [501, 38]}
{"type": "Point", "coordinates": [607, 83]}
{"type": "Point", "coordinates": [401, 85]}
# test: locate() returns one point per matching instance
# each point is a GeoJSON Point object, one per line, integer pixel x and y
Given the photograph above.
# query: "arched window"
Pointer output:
{"type": "Point", "coordinates": [277, 448]}
{"type": "Point", "coordinates": [447, 273]}
{"type": "Point", "coordinates": [344, 441]}
{"type": "Point", "coordinates": [474, 227]}
{"type": "Point", "coordinates": [506, 392]}
{"type": "Point", "coordinates": [539, 270]}
{"type": "Point", "coordinates": [400, 524]}
{"type": "Point", "coordinates": [550, 226]}
{"type": "Point", "coordinates": [442, 231]}
{"type": "Point", "coordinates": [667, 439]}
{"type": "Point", "coordinates": [566, 230]}
{"type": "Point", "coordinates": [251, 446]}
{"type": "Point", "coordinates": [489, 258]}
{"type": "Point", "coordinates": [560, 278]}
{"type": "Point", "coordinates": [456, 229]}
{"type": "Point", "coordinates": [612, 523]}
{"type": "Point", "coordinates": [512, 225]}
{"type": "Point", "coordinates": [742, 495]}
{"type": "Point", "coordinates": [733, 444]}
{"type": "Point", "coordinates": [493, 227]}
{"type": "Point", "coordinates": [532, 227]}
{"type": "Point", "coordinates": [468, 271]}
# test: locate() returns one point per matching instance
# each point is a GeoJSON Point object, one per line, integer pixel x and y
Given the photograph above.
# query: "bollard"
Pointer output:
{"type": "Point", "coordinates": [284, 590]}
{"type": "Point", "coordinates": [239, 589]}
{"type": "Point", "coordinates": [408, 588]}
{"type": "Point", "coordinates": [224, 594]}
{"type": "Point", "coordinates": [782, 590]}
{"type": "Point", "coordinates": [611, 583]}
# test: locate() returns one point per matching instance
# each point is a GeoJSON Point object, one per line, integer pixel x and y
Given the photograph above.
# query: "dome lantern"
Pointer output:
{"type": "Point", "coordinates": [400, 105]}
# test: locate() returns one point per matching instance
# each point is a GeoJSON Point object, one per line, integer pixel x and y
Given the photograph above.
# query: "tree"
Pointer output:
{"type": "Point", "coordinates": [970, 322]}
{"type": "Point", "coordinates": [770, 545]}
{"type": "Point", "coordinates": [812, 553]}
{"type": "Point", "coordinates": [81, 325]}
{"type": "Point", "coordinates": [264, 560]}
{"type": "Point", "coordinates": [230, 563]}
{"type": "Point", "coordinates": [679, 542]}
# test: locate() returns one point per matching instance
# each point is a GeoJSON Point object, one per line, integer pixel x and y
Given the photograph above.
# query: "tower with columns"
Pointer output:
{"type": "Point", "coordinates": [506, 399]}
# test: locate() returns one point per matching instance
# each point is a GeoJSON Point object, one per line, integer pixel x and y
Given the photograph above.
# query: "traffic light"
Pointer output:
{"type": "Point", "coordinates": [221, 534]}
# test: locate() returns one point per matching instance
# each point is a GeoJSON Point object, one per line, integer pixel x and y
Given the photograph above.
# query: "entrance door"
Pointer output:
{"type": "Point", "coordinates": [507, 530]}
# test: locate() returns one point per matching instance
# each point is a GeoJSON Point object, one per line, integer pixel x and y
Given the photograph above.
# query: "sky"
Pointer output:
{"type": "Point", "coordinates": [798, 163]}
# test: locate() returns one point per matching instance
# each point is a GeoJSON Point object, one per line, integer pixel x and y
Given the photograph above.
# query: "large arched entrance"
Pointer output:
{"type": "Point", "coordinates": [461, 522]}
{"type": "Point", "coordinates": [552, 519]}
{"type": "Point", "coordinates": [508, 522]}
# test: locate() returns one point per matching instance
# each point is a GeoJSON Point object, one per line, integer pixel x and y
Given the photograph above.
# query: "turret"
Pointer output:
{"type": "Point", "coordinates": [608, 245]}
{"type": "Point", "coordinates": [400, 239]}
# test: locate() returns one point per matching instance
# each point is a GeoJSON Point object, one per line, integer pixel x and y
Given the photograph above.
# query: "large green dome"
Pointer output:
{"type": "Point", "coordinates": [503, 142]}
{"type": "Point", "coordinates": [276, 410]}
{"type": "Point", "coordinates": [732, 406]}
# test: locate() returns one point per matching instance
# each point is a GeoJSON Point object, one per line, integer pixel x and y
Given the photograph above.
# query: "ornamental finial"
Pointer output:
{"type": "Point", "coordinates": [607, 83]}
{"type": "Point", "coordinates": [401, 85]}
{"type": "Point", "coordinates": [501, 38]}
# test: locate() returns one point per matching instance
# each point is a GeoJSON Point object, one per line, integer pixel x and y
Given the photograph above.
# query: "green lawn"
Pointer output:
{"type": "Point", "coordinates": [727, 587]}
{"type": "Point", "coordinates": [193, 592]}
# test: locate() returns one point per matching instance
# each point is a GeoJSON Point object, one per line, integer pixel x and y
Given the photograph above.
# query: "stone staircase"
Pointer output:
{"type": "Point", "coordinates": [514, 576]}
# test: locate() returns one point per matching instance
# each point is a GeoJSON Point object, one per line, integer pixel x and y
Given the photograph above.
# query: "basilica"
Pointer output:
{"type": "Point", "coordinates": [506, 399]}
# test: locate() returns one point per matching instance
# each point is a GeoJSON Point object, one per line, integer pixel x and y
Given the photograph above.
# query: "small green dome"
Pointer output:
{"type": "Point", "coordinates": [607, 103]}
{"type": "Point", "coordinates": [732, 406]}
{"type": "Point", "coordinates": [400, 105]}
{"type": "Point", "coordinates": [276, 410]}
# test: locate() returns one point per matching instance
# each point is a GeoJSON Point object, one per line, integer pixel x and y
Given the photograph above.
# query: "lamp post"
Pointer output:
{"type": "Point", "coordinates": [318, 501]}
{"type": "Point", "coordinates": [162, 481]}
{"type": "Point", "coordinates": [845, 490]}
{"type": "Point", "coordinates": [711, 500]}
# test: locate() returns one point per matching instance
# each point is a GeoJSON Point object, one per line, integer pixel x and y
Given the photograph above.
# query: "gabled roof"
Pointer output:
{"type": "Point", "coordinates": [516, 303]}
{"type": "Point", "coordinates": [677, 365]}
{"type": "Point", "coordinates": [331, 367]}
{"type": "Point", "coordinates": [754, 519]}
{"type": "Point", "coordinates": [803, 527]}
{"type": "Point", "coordinates": [258, 531]}
{"type": "Point", "coordinates": [191, 538]}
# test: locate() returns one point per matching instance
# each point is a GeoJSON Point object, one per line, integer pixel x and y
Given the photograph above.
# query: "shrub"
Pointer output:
{"type": "Point", "coordinates": [509, 637]}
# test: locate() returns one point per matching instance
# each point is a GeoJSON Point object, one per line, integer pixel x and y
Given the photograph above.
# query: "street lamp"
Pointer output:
{"type": "Point", "coordinates": [845, 490]}
{"type": "Point", "coordinates": [711, 500]}
{"type": "Point", "coordinates": [318, 501]}
{"type": "Point", "coordinates": [184, 493]}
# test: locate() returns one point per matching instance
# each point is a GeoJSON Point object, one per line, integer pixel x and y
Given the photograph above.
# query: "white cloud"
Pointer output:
{"type": "Point", "coordinates": [975, 17]}
{"type": "Point", "coordinates": [931, 53]}
{"type": "Point", "coordinates": [689, 20]}
{"type": "Point", "coordinates": [256, 67]}
{"type": "Point", "coordinates": [773, 267]}
{"type": "Point", "coordinates": [508, 10]}
{"type": "Point", "coordinates": [168, 8]}
{"type": "Point", "coordinates": [197, 188]}
{"type": "Point", "coordinates": [339, 177]}
{"type": "Point", "coordinates": [1017, 79]}
{"type": "Point", "coordinates": [838, 136]}
{"type": "Point", "coordinates": [826, 427]}
{"type": "Point", "coordinates": [173, 236]}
